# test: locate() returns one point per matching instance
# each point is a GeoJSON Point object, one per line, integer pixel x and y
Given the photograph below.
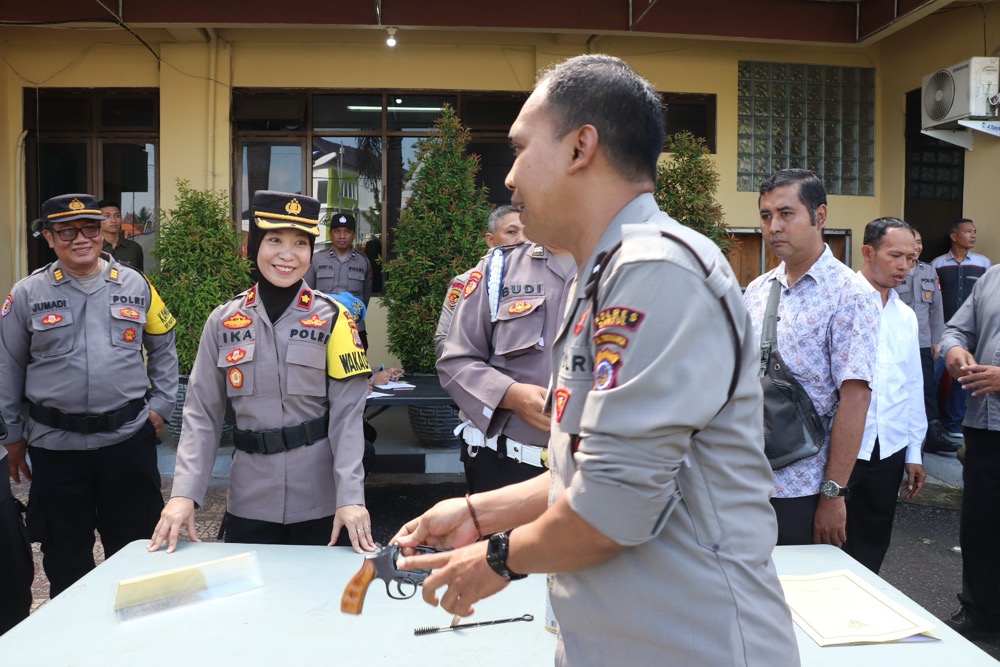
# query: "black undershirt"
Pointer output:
{"type": "Point", "coordinates": [276, 299]}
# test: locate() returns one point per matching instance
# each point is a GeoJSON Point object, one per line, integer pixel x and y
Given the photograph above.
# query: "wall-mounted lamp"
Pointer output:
{"type": "Point", "coordinates": [391, 39]}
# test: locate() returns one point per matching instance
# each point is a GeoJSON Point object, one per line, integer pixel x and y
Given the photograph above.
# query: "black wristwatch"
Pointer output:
{"type": "Point", "coordinates": [496, 555]}
{"type": "Point", "coordinates": [831, 489]}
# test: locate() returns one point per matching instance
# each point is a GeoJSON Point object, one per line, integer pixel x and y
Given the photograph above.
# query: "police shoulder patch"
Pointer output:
{"type": "Point", "coordinates": [454, 292]}
{"type": "Point", "coordinates": [606, 365]}
{"type": "Point", "coordinates": [8, 303]}
{"type": "Point", "coordinates": [618, 316]}
{"type": "Point", "coordinates": [472, 283]}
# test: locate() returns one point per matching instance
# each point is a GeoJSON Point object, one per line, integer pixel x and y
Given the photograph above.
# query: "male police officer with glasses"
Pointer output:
{"type": "Point", "coordinates": [72, 336]}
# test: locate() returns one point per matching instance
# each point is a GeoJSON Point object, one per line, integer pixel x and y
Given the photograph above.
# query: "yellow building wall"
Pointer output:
{"type": "Point", "coordinates": [195, 81]}
{"type": "Point", "coordinates": [939, 41]}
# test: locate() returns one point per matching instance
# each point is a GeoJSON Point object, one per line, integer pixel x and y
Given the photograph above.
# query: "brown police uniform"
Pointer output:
{"type": "Point", "coordinates": [299, 382]}
{"type": "Point", "coordinates": [486, 352]}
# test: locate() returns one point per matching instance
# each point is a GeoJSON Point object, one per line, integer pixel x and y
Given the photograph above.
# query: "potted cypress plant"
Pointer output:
{"type": "Point", "coordinates": [439, 235]}
{"type": "Point", "coordinates": [200, 267]}
{"type": "Point", "coordinates": [686, 185]}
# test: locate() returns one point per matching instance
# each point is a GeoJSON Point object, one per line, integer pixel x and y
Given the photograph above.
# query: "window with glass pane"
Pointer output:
{"type": "Point", "coordinates": [816, 117]}
{"type": "Point", "coordinates": [407, 112]}
{"type": "Point", "coordinates": [347, 113]}
{"type": "Point", "coordinates": [129, 171]}
{"type": "Point", "coordinates": [347, 178]}
{"type": "Point", "coordinates": [268, 165]}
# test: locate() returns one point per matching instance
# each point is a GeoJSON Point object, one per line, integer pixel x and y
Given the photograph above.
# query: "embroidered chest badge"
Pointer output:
{"type": "Point", "coordinates": [128, 335]}
{"type": "Point", "coordinates": [51, 319]}
{"type": "Point", "coordinates": [472, 283]}
{"type": "Point", "coordinates": [313, 320]}
{"type": "Point", "coordinates": [618, 316]}
{"type": "Point", "coordinates": [237, 321]}
{"type": "Point", "coordinates": [236, 355]}
{"type": "Point", "coordinates": [519, 307]}
{"type": "Point", "coordinates": [561, 398]}
{"type": "Point", "coordinates": [606, 364]}
{"type": "Point", "coordinates": [8, 303]}
{"type": "Point", "coordinates": [129, 313]}
{"type": "Point", "coordinates": [235, 377]}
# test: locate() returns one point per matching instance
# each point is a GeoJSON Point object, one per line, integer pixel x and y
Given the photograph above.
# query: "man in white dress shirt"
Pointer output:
{"type": "Point", "coordinates": [896, 421]}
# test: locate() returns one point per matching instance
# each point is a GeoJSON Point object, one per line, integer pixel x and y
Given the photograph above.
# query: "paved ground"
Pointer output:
{"type": "Point", "coordinates": [923, 560]}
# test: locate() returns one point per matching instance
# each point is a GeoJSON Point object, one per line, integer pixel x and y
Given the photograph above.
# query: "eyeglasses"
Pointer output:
{"type": "Point", "coordinates": [68, 234]}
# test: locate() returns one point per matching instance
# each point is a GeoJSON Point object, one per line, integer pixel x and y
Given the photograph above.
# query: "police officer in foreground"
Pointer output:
{"type": "Point", "coordinates": [73, 336]}
{"type": "Point", "coordinates": [342, 267]}
{"type": "Point", "coordinates": [496, 361]}
{"type": "Point", "coordinates": [291, 361]}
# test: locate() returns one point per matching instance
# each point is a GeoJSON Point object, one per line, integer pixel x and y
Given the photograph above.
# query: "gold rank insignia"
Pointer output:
{"type": "Point", "coordinates": [113, 273]}
{"type": "Point", "coordinates": [57, 274]}
{"type": "Point", "coordinates": [305, 299]}
{"type": "Point", "coordinates": [251, 296]}
{"type": "Point", "coordinates": [237, 321]}
{"type": "Point", "coordinates": [519, 307]}
{"type": "Point", "coordinates": [75, 205]}
{"type": "Point", "coordinates": [313, 321]}
{"type": "Point", "coordinates": [293, 207]}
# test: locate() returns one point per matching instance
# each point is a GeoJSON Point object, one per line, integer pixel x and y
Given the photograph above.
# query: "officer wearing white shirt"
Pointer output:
{"type": "Point", "coordinates": [896, 421]}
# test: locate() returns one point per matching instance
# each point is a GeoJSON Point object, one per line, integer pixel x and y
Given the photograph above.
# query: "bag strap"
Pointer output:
{"type": "Point", "coordinates": [604, 259]}
{"type": "Point", "coordinates": [769, 331]}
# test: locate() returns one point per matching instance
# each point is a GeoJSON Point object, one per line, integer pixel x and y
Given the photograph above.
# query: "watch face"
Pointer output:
{"type": "Point", "coordinates": [830, 488]}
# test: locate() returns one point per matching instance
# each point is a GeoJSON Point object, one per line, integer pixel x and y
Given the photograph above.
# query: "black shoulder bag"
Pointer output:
{"type": "Point", "coordinates": [792, 428]}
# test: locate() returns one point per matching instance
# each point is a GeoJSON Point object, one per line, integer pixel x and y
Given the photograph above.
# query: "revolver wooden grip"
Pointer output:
{"type": "Point", "coordinates": [354, 593]}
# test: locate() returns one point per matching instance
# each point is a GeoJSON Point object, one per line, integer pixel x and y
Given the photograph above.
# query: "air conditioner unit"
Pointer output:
{"type": "Point", "coordinates": [963, 91]}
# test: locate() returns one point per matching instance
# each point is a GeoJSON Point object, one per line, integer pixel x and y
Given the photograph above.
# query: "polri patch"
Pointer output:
{"type": "Point", "coordinates": [237, 321]}
{"type": "Point", "coordinates": [606, 364]}
{"type": "Point", "coordinates": [454, 292]}
{"type": "Point", "coordinates": [8, 303]}
{"type": "Point", "coordinates": [51, 319]}
{"type": "Point", "coordinates": [129, 313]}
{"type": "Point", "coordinates": [610, 338]}
{"type": "Point", "coordinates": [313, 320]}
{"type": "Point", "coordinates": [128, 335]}
{"type": "Point", "coordinates": [305, 299]}
{"type": "Point", "coordinates": [235, 376]}
{"type": "Point", "coordinates": [236, 355]}
{"type": "Point", "coordinates": [519, 307]}
{"type": "Point", "coordinates": [471, 284]}
{"type": "Point", "coordinates": [561, 398]}
{"type": "Point", "coordinates": [618, 316]}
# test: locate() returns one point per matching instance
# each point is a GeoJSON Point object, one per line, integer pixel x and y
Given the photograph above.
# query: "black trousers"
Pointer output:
{"type": "Point", "coordinates": [871, 507]}
{"type": "Point", "coordinates": [795, 519]}
{"type": "Point", "coordinates": [488, 470]}
{"type": "Point", "coordinates": [930, 386]}
{"type": "Point", "coordinates": [978, 534]}
{"type": "Point", "coordinates": [315, 532]}
{"type": "Point", "coordinates": [17, 570]}
{"type": "Point", "coordinates": [114, 489]}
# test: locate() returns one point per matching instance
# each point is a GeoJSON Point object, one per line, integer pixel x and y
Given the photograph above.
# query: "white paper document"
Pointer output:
{"type": "Point", "coordinates": [395, 385]}
{"type": "Point", "coordinates": [836, 608]}
{"type": "Point", "coordinates": [378, 394]}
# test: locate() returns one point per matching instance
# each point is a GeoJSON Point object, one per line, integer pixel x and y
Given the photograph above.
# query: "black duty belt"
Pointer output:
{"type": "Point", "coordinates": [105, 422]}
{"type": "Point", "coordinates": [275, 440]}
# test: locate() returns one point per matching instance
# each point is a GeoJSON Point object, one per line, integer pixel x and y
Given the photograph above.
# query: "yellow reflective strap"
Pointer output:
{"type": "Point", "coordinates": [345, 355]}
{"type": "Point", "coordinates": [159, 320]}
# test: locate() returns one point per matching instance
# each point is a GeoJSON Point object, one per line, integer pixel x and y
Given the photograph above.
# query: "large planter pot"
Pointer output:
{"type": "Point", "coordinates": [434, 425]}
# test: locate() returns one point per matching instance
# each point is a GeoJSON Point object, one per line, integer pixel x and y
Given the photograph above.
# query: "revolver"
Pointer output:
{"type": "Point", "coordinates": [381, 564]}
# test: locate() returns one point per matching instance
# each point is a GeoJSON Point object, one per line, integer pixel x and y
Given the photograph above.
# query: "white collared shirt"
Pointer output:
{"type": "Point", "coordinates": [896, 413]}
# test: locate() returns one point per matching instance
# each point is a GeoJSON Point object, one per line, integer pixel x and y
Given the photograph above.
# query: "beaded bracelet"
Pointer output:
{"type": "Point", "coordinates": [475, 519]}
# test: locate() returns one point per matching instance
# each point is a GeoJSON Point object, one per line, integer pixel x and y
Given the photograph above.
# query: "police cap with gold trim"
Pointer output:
{"type": "Point", "coordinates": [284, 210]}
{"type": "Point", "coordinates": [71, 207]}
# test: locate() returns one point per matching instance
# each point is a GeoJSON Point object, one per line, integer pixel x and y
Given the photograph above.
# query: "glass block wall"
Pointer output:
{"type": "Point", "coordinates": [816, 117]}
